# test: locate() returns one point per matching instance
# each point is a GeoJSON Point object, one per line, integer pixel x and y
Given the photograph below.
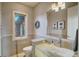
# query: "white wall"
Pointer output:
{"type": "Point", "coordinates": [0, 29]}
{"type": "Point", "coordinates": [43, 25]}
{"type": "Point", "coordinates": [72, 23]}
{"type": "Point", "coordinates": [41, 15]}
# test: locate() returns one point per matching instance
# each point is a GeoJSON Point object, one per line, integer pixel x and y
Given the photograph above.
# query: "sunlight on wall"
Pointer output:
{"type": "Point", "coordinates": [43, 25]}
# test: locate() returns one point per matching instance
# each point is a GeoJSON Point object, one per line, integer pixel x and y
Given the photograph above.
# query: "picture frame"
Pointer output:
{"type": "Point", "coordinates": [61, 25]}
{"type": "Point", "coordinates": [55, 26]}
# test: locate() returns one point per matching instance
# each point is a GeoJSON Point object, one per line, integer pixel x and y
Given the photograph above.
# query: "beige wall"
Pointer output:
{"type": "Point", "coordinates": [7, 28]}
{"type": "Point", "coordinates": [0, 29]}
{"type": "Point", "coordinates": [8, 9]}
{"type": "Point", "coordinates": [54, 17]}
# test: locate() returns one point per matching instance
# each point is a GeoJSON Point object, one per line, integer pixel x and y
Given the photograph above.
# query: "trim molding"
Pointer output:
{"type": "Point", "coordinates": [7, 35]}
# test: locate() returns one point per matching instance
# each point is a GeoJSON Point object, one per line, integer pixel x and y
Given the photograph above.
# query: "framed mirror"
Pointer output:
{"type": "Point", "coordinates": [37, 24]}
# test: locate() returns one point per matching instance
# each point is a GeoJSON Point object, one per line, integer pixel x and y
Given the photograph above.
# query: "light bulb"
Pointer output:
{"type": "Point", "coordinates": [53, 6]}
{"type": "Point", "coordinates": [56, 6]}
{"type": "Point", "coordinates": [56, 9]}
{"type": "Point", "coordinates": [61, 5]}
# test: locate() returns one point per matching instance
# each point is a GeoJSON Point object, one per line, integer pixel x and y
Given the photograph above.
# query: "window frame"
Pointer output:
{"type": "Point", "coordinates": [26, 28]}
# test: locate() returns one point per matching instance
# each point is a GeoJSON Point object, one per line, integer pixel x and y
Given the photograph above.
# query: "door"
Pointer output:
{"type": "Point", "coordinates": [72, 24]}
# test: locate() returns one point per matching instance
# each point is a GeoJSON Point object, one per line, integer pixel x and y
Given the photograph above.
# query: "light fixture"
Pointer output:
{"type": "Point", "coordinates": [57, 6]}
{"type": "Point", "coordinates": [61, 5]}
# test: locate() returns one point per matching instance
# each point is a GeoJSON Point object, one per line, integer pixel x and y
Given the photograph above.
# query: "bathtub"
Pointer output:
{"type": "Point", "coordinates": [45, 49]}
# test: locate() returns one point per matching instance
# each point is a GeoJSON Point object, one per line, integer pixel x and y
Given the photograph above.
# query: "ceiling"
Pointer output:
{"type": "Point", "coordinates": [31, 4]}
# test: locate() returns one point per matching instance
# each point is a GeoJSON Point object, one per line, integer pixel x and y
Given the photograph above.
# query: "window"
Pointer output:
{"type": "Point", "coordinates": [20, 25]}
{"type": "Point", "coordinates": [20, 28]}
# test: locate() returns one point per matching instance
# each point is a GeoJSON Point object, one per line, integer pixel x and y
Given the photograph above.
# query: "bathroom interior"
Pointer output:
{"type": "Point", "coordinates": [39, 29]}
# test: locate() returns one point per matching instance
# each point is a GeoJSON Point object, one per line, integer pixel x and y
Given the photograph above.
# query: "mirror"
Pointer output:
{"type": "Point", "coordinates": [37, 24]}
